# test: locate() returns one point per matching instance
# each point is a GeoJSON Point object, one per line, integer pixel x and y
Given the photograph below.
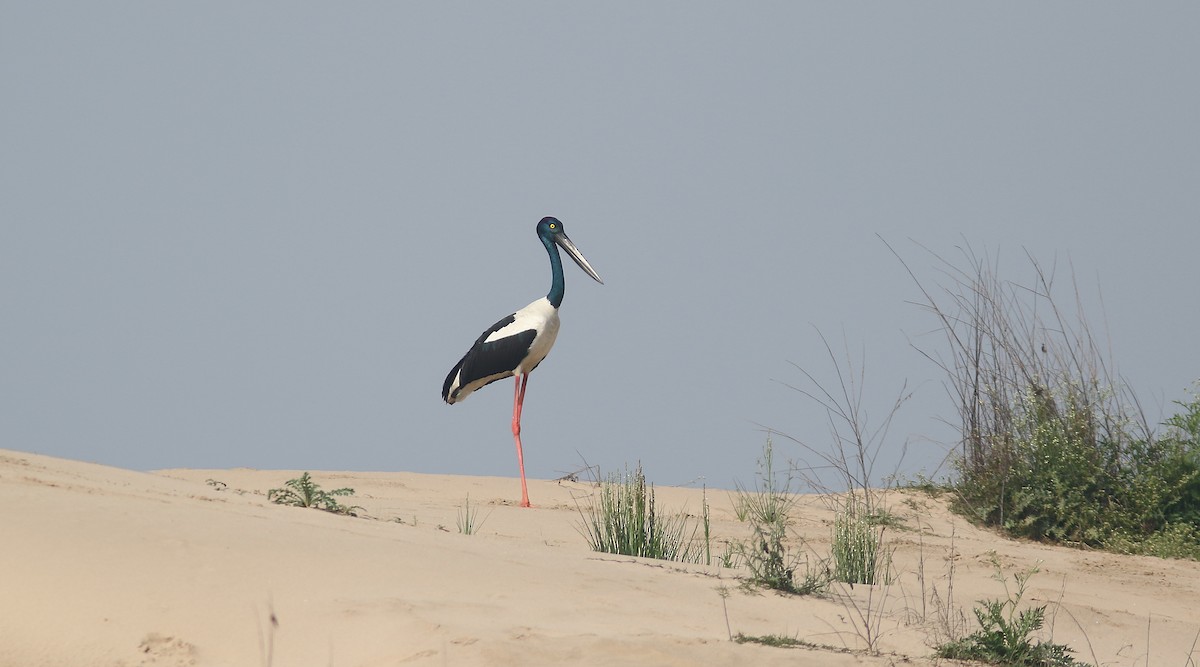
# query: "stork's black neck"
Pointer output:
{"type": "Point", "coordinates": [558, 286]}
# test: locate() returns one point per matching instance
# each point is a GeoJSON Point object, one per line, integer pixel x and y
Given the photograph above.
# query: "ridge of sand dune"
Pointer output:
{"type": "Point", "coordinates": [103, 566]}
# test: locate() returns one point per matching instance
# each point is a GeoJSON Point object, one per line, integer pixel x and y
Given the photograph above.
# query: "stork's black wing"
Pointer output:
{"type": "Point", "coordinates": [488, 361]}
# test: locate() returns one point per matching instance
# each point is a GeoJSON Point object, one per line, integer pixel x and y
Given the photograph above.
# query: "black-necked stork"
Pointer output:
{"type": "Point", "coordinates": [515, 345]}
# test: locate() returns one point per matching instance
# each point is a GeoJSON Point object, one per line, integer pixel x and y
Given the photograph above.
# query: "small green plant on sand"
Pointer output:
{"type": "Point", "coordinates": [468, 518]}
{"type": "Point", "coordinates": [777, 641]}
{"type": "Point", "coordinates": [1004, 632]}
{"type": "Point", "coordinates": [767, 554]}
{"type": "Point", "coordinates": [624, 520]}
{"type": "Point", "coordinates": [303, 492]}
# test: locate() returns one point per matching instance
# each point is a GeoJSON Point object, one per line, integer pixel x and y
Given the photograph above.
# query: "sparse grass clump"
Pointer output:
{"type": "Point", "coordinates": [468, 520]}
{"type": "Point", "coordinates": [623, 520]}
{"type": "Point", "coordinates": [924, 484]}
{"type": "Point", "coordinates": [303, 492]}
{"type": "Point", "coordinates": [842, 469]}
{"type": "Point", "coordinates": [777, 641]}
{"type": "Point", "coordinates": [767, 554]}
{"type": "Point", "coordinates": [1005, 633]}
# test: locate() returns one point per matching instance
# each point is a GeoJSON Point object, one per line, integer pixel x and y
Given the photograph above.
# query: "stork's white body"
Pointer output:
{"type": "Point", "coordinates": [542, 318]}
{"type": "Point", "coordinates": [509, 347]}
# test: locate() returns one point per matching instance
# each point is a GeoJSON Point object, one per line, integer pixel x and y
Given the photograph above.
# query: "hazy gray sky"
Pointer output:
{"type": "Point", "coordinates": [260, 234]}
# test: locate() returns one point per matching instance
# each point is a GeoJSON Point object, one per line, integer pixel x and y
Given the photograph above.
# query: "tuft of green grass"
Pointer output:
{"type": "Point", "coordinates": [926, 485]}
{"type": "Point", "coordinates": [468, 518]}
{"type": "Point", "coordinates": [730, 556]}
{"type": "Point", "coordinates": [624, 520]}
{"type": "Point", "coordinates": [883, 518]}
{"type": "Point", "coordinates": [1004, 635]}
{"type": "Point", "coordinates": [855, 548]}
{"type": "Point", "coordinates": [303, 492]}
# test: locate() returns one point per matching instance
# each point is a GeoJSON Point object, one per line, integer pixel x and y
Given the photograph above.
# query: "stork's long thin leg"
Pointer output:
{"type": "Point", "coordinates": [518, 401]}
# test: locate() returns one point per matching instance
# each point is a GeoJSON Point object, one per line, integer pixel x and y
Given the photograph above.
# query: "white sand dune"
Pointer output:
{"type": "Point", "coordinates": [109, 567]}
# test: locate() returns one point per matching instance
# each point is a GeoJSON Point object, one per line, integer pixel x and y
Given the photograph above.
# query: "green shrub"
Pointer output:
{"type": "Point", "coordinates": [1053, 478]}
{"type": "Point", "coordinates": [1004, 635]}
{"type": "Point", "coordinates": [1056, 479]}
{"type": "Point", "coordinates": [1178, 540]}
{"type": "Point", "coordinates": [1054, 444]}
{"type": "Point", "coordinates": [1004, 640]}
{"type": "Point", "coordinates": [1181, 465]}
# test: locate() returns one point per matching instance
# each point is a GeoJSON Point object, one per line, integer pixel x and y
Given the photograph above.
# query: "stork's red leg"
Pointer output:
{"type": "Point", "coordinates": [518, 401]}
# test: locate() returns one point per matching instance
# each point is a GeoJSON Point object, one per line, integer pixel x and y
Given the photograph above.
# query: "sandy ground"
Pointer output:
{"type": "Point", "coordinates": [104, 567]}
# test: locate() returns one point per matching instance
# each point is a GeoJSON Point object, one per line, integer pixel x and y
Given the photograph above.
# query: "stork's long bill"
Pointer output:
{"type": "Point", "coordinates": [565, 243]}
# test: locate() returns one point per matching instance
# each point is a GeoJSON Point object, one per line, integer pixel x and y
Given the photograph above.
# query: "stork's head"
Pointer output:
{"type": "Point", "coordinates": [550, 230]}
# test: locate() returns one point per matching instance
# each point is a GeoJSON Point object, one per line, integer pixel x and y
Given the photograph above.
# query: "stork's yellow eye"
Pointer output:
{"type": "Point", "coordinates": [552, 225]}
